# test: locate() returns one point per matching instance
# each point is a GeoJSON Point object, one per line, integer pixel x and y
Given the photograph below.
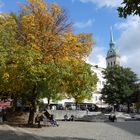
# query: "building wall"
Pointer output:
{"type": "Point", "coordinates": [114, 60]}
{"type": "Point", "coordinates": [100, 84]}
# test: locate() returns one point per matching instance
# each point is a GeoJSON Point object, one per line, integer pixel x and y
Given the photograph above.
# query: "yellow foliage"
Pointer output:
{"type": "Point", "coordinates": [6, 76]}
{"type": "Point", "coordinates": [43, 30]}
{"type": "Point", "coordinates": [55, 8]}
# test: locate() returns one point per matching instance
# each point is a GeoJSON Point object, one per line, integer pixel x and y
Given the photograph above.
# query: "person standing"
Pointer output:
{"type": "Point", "coordinates": [1, 115]}
{"type": "Point", "coordinates": [4, 118]}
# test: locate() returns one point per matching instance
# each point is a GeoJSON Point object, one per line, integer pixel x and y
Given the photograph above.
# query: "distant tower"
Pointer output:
{"type": "Point", "coordinates": [113, 57]}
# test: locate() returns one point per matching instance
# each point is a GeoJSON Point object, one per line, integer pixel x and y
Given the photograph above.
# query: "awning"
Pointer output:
{"type": "Point", "coordinates": [4, 105]}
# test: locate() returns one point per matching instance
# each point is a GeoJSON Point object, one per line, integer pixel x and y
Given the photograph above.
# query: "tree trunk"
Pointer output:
{"type": "Point", "coordinates": [114, 109]}
{"type": "Point", "coordinates": [128, 107]}
{"type": "Point", "coordinates": [15, 103]}
{"type": "Point", "coordinates": [76, 105]}
{"type": "Point", "coordinates": [33, 106]}
{"type": "Point", "coordinates": [48, 107]}
{"type": "Point", "coordinates": [31, 113]}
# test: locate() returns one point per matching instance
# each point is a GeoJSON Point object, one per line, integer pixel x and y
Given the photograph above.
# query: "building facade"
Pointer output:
{"type": "Point", "coordinates": [96, 96]}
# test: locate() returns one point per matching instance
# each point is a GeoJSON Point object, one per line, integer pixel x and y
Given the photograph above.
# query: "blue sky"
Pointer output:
{"type": "Point", "coordinates": [96, 17]}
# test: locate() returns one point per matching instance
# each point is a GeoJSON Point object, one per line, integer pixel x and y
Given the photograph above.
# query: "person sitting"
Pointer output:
{"type": "Point", "coordinates": [71, 118]}
{"type": "Point", "coordinates": [112, 117]}
{"type": "Point", "coordinates": [65, 117]}
{"type": "Point", "coordinates": [38, 119]}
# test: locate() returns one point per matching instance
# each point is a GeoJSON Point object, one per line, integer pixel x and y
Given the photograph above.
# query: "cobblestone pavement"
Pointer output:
{"type": "Point", "coordinates": [93, 130]}
{"type": "Point", "coordinates": [75, 131]}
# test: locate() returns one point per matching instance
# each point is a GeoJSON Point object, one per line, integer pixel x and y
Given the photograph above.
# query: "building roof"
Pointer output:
{"type": "Point", "coordinates": [112, 50]}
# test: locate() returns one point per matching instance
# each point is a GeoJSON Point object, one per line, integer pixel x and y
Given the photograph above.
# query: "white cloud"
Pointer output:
{"type": "Point", "coordinates": [97, 57]}
{"type": "Point", "coordinates": [88, 23]}
{"type": "Point", "coordinates": [132, 22]}
{"type": "Point", "coordinates": [104, 3]}
{"type": "Point", "coordinates": [129, 42]}
{"type": "Point", "coordinates": [1, 4]}
{"type": "Point", "coordinates": [124, 60]}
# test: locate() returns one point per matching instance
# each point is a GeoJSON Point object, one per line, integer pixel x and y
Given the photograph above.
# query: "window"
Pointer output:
{"type": "Point", "coordinates": [95, 98]}
{"type": "Point", "coordinates": [100, 83]}
{"type": "Point", "coordinates": [103, 83]}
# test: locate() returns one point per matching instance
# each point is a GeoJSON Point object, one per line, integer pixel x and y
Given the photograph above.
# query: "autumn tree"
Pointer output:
{"type": "Point", "coordinates": [34, 44]}
{"type": "Point", "coordinates": [8, 53]}
{"type": "Point", "coordinates": [45, 28]}
{"type": "Point", "coordinates": [53, 86]}
{"type": "Point", "coordinates": [81, 82]}
{"type": "Point", "coordinates": [120, 85]}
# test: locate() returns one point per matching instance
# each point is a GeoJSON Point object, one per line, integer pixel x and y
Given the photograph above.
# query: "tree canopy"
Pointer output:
{"type": "Point", "coordinates": [40, 52]}
{"type": "Point", "coordinates": [120, 85]}
{"type": "Point", "coordinates": [81, 82]}
{"type": "Point", "coordinates": [129, 7]}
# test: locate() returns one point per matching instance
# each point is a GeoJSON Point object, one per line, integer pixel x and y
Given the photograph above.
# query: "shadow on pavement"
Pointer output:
{"type": "Point", "coordinates": [131, 127]}
{"type": "Point", "coordinates": [12, 135]}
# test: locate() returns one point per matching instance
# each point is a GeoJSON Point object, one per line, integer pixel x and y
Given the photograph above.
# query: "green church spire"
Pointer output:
{"type": "Point", "coordinates": [111, 36]}
{"type": "Point", "coordinates": [113, 57]}
{"type": "Point", "coordinates": [112, 44]}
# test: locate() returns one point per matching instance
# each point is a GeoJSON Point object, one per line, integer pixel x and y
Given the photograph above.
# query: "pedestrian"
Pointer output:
{"type": "Point", "coordinates": [4, 115]}
{"type": "Point", "coordinates": [87, 111]}
{"type": "Point", "coordinates": [65, 117]}
{"type": "Point", "coordinates": [1, 115]}
{"type": "Point", "coordinates": [112, 117]}
{"type": "Point", "coordinates": [72, 118]}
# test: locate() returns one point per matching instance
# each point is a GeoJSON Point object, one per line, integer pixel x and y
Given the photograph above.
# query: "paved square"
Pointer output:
{"type": "Point", "coordinates": [75, 131]}
{"type": "Point", "coordinates": [93, 130]}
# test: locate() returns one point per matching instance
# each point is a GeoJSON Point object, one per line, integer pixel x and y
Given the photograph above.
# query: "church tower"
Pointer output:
{"type": "Point", "coordinates": [113, 57]}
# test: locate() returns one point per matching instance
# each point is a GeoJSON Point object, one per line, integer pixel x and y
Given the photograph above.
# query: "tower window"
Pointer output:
{"type": "Point", "coordinates": [114, 62]}
{"type": "Point", "coordinates": [95, 98]}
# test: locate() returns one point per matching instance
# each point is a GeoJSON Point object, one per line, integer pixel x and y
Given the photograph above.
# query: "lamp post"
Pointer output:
{"type": "Point", "coordinates": [137, 82]}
